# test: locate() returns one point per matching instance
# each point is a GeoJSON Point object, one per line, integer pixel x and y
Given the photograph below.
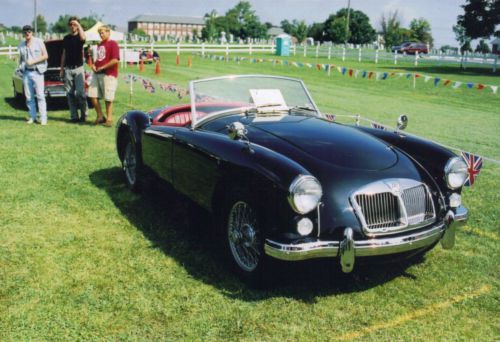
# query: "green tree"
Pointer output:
{"type": "Point", "coordinates": [360, 30]}
{"type": "Point", "coordinates": [244, 23]}
{"type": "Point", "coordinates": [421, 31]}
{"type": "Point", "coordinates": [482, 47]}
{"type": "Point", "coordinates": [316, 31]}
{"type": "Point", "coordinates": [391, 29]}
{"type": "Point", "coordinates": [462, 38]}
{"type": "Point", "coordinates": [91, 20]}
{"type": "Point", "coordinates": [296, 28]}
{"type": "Point", "coordinates": [61, 24]}
{"type": "Point", "coordinates": [41, 23]}
{"type": "Point", "coordinates": [480, 18]}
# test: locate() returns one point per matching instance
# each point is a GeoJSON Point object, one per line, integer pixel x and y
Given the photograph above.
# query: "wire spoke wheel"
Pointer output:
{"type": "Point", "coordinates": [244, 236]}
{"type": "Point", "coordinates": [130, 164]}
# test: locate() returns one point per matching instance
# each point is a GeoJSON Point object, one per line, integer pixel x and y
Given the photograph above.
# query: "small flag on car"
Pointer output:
{"type": "Point", "coordinates": [474, 164]}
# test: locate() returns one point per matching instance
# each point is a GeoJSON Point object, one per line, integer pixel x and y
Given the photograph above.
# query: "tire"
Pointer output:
{"type": "Point", "coordinates": [17, 96]}
{"type": "Point", "coordinates": [131, 164]}
{"type": "Point", "coordinates": [244, 236]}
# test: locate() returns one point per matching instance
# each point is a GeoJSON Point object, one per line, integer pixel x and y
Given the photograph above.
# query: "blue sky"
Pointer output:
{"type": "Point", "coordinates": [441, 14]}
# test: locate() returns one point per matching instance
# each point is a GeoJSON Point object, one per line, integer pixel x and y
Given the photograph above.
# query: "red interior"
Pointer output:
{"type": "Point", "coordinates": [181, 115]}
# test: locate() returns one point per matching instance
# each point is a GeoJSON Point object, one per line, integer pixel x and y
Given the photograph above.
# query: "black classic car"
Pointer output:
{"type": "Point", "coordinates": [286, 183]}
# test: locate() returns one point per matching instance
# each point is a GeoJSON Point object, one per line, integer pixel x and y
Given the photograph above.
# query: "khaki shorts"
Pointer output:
{"type": "Point", "coordinates": [103, 84]}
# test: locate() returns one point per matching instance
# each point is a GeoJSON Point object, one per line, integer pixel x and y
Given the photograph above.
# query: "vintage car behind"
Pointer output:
{"type": "Point", "coordinates": [286, 183]}
{"type": "Point", "coordinates": [54, 86]}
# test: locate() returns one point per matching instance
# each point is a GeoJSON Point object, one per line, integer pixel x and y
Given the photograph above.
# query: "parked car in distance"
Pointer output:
{"type": "Point", "coordinates": [414, 48]}
{"type": "Point", "coordinates": [397, 48]}
{"type": "Point", "coordinates": [284, 182]}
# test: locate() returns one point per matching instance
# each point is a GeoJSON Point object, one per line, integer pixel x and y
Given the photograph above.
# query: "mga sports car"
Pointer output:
{"type": "Point", "coordinates": [286, 183]}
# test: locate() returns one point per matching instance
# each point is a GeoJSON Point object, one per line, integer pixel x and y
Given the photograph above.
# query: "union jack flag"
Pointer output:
{"type": "Point", "coordinates": [474, 164]}
{"type": "Point", "coordinates": [330, 117]}
{"type": "Point", "coordinates": [378, 126]}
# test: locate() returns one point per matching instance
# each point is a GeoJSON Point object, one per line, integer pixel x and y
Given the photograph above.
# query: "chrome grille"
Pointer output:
{"type": "Point", "coordinates": [380, 210]}
{"type": "Point", "coordinates": [418, 205]}
{"type": "Point", "coordinates": [393, 205]}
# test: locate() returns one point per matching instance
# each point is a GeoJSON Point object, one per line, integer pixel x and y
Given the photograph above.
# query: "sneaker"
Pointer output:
{"type": "Point", "coordinates": [30, 121]}
{"type": "Point", "coordinates": [43, 123]}
{"type": "Point", "coordinates": [74, 120]}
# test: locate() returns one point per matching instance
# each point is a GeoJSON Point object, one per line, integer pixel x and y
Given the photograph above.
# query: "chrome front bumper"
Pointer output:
{"type": "Point", "coordinates": [348, 249]}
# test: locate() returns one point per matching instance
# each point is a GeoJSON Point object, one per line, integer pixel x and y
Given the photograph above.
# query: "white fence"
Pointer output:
{"type": "Point", "coordinates": [330, 52]}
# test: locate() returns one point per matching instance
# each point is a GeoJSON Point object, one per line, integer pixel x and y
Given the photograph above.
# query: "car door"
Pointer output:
{"type": "Point", "coordinates": [157, 142]}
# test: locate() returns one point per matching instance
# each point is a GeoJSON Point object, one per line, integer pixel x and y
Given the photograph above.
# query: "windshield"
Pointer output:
{"type": "Point", "coordinates": [254, 94]}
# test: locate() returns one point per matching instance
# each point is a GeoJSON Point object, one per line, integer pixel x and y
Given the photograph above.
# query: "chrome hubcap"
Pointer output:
{"type": "Point", "coordinates": [243, 236]}
{"type": "Point", "coordinates": [129, 163]}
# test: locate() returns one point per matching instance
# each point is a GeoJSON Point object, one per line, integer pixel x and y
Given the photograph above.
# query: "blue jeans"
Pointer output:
{"type": "Point", "coordinates": [34, 86]}
{"type": "Point", "coordinates": [74, 82]}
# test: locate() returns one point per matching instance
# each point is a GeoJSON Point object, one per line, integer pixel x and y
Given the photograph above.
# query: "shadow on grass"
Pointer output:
{"type": "Point", "coordinates": [20, 104]}
{"type": "Point", "coordinates": [174, 225]}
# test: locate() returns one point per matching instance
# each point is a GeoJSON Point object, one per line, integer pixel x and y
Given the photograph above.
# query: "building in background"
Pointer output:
{"type": "Point", "coordinates": [173, 26]}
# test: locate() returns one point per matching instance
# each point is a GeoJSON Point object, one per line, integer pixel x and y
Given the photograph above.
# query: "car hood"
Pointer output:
{"type": "Point", "coordinates": [335, 144]}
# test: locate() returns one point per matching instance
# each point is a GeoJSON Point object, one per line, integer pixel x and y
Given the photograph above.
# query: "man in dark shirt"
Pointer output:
{"type": "Point", "coordinates": [72, 69]}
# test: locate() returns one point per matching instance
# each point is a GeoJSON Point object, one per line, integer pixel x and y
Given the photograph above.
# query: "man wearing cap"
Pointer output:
{"type": "Point", "coordinates": [72, 70]}
{"type": "Point", "coordinates": [33, 63]}
{"type": "Point", "coordinates": [105, 78]}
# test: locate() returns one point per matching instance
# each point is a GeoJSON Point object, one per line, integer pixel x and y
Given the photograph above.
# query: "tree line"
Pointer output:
{"type": "Point", "coordinates": [479, 20]}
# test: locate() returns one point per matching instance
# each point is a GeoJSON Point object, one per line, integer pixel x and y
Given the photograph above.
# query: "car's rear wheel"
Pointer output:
{"type": "Point", "coordinates": [131, 164]}
{"type": "Point", "coordinates": [245, 240]}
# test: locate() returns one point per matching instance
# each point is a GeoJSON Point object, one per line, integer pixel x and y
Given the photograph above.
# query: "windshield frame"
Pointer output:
{"type": "Point", "coordinates": [197, 122]}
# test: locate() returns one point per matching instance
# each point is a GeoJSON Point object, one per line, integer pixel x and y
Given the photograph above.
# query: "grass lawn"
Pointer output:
{"type": "Point", "coordinates": [81, 257]}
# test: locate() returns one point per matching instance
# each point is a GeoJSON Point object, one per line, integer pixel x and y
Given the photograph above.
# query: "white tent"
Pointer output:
{"type": "Point", "coordinates": [93, 35]}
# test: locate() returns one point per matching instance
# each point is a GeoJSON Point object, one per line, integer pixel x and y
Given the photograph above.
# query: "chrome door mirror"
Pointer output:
{"type": "Point", "coordinates": [402, 122]}
{"type": "Point", "coordinates": [236, 131]}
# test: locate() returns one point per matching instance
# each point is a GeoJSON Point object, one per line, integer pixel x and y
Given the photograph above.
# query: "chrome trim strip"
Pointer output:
{"type": "Point", "coordinates": [371, 247]}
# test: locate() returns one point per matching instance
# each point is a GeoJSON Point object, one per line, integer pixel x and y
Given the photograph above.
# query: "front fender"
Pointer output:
{"type": "Point", "coordinates": [429, 155]}
{"type": "Point", "coordinates": [130, 124]}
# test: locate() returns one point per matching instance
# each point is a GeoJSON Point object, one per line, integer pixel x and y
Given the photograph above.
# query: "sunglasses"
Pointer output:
{"type": "Point", "coordinates": [25, 32]}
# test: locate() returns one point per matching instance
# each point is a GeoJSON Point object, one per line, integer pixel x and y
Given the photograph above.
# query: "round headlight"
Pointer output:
{"type": "Point", "coordinates": [304, 194]}
{"type": "Point", "coordinates": [455, 172]}
{"type": "Point", "coordinates": [304, 226]}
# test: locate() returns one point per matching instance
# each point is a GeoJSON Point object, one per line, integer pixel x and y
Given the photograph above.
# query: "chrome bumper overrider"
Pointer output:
{"type": "Point", "coordinates": [348, 249]}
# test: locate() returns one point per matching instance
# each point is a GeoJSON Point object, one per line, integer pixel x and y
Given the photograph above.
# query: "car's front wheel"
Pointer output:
{"type": "Point", "coordinates": [245, 240]}
{"type": "Point", "coordinates": [131, 164]}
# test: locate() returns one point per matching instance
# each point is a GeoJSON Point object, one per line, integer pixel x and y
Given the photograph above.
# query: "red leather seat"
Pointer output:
{"type": "Point", "coordinates": [178, 119]}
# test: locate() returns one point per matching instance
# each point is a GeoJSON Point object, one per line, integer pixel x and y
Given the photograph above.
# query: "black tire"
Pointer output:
{"type": "Point", "coordinates": [244, 238]}
{"type": "Point", "coordinates": [132, 164]}
{"type": "Point", "coordinates": [17, 96]}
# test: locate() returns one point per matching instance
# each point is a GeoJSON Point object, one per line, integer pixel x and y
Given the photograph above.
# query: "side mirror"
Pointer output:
{"type": "Point", "coordinates": [402, 122]}
{"type": "Point", "coordinates": [236, 130]}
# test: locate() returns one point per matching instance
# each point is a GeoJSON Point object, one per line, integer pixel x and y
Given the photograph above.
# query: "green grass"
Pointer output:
{"type": "Point", "coordinates": [81, 257]}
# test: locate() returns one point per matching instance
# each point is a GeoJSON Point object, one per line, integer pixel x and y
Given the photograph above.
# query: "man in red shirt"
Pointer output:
{"type": "Point", "coordinates": [105, 78]}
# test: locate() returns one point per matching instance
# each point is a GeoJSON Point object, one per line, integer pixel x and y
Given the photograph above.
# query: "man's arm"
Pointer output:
{"type": "Point", "coordinates": [42, 58]}
{"type": "Point", "coordinates": [63, 59]}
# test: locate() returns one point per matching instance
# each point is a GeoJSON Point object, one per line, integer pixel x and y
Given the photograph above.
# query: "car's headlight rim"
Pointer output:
{"type": "Point", "coordinates": [455, 173]}
{"type": "Point", "coordinates": [304, 194]}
